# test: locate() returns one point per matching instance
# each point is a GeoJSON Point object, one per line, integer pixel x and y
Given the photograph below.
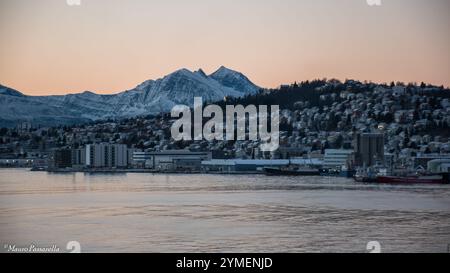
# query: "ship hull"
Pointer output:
{"type": "Point", "coordinates": [365, 179]}
{"type": "Point", "coordinates": [278, 172]}
{"type": "Point", "coordinates": [345, 173]}
{"type": "Point", "coordinates": [410, 180]}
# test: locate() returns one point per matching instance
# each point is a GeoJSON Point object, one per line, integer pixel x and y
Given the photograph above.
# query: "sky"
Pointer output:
{"type": "Point", "coordinates": [107, 46]}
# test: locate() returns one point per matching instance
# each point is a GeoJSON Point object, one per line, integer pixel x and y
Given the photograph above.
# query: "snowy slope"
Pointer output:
{"type": "Point", "coordinates": [150, 97]}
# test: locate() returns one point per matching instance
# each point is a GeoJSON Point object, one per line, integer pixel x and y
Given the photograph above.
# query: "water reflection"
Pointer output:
{"type": "Point", "coordinates": [170, 213]}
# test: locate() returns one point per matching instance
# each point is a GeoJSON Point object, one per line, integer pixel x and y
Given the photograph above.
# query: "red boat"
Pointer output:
{"type": "Point", "coordinates": [435, 179]}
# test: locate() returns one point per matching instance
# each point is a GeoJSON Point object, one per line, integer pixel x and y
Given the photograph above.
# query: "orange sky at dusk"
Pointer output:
{"type": "Point", "coordinates": [108, 46]}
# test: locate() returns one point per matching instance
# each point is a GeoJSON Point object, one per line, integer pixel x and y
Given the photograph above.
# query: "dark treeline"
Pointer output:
{"type": "Point", "coordinates": [313, 92]}
{"type": "Point", "coordinates": [287, 96]}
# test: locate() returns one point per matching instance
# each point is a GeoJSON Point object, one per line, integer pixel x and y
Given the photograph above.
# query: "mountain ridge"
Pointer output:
{"type": "Point", "coordinates": [149, 97]}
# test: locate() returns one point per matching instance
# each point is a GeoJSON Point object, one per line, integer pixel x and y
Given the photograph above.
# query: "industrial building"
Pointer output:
{"type": "Point", "coordinates": [171, 160]}
{"type": "Point", "coordinates": [421, 160]}
{"type": "Point", "coordinates": [253, 166]}
{"type": "Point", "coordinates": [336, 158]}
{"type": "Point", "coordinates": [369, 149]}
{"type": "Point", "coordinates": [439, 165]}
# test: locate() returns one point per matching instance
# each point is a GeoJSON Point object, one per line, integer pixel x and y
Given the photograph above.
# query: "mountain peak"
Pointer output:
{"type": "Point", "coordinates": [182, 71]}
{"type": "Point", "coordinates": [4, 90]}
{"type": "Point", "coordinates": [88, 93]}
{"type": "Point", "coordinates": [234, 79]}
{"type": "Point", "coordinates": [223, 69]}
{"type": "Point", "coordinates": [201, 72]}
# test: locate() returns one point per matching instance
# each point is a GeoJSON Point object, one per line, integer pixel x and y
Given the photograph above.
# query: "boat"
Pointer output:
{"type": "Point", "coordinates": [424, 179]}
{"type": "Point", "coordinates": [365, 176]}
{"type": "Point", "coordinates": [342, 172]}
{"type": "Point", "coordinates": [291, 171]}
{"type": "Point", "coordinates": [413, 179]}
{"type": "Point", "coordinates": [38, 169]}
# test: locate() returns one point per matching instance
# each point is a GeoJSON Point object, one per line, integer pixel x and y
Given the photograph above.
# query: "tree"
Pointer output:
{"type": "Point", "coordinates": [3, 131]}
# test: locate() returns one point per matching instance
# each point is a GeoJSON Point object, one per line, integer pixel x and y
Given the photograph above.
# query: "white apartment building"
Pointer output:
{"type": "Point", "coordinates": [106, 155]}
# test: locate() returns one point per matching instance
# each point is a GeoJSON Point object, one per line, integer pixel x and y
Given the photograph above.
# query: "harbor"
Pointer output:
{"type": "Point", "coordinates": [106, 158]}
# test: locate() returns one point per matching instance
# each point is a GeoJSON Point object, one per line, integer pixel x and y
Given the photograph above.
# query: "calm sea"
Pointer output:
{"type": "Point", "coordinates": [217, 213]}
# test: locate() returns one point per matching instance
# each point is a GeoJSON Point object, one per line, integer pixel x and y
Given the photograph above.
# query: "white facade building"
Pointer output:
{"type": "Point", "coordinates": [106, 155]}
{"type": "Point", "coordinates": [337, 157]}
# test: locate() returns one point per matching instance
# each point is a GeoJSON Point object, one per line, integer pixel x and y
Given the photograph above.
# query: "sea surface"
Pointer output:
{"type": "Point", "coordinates": [219, 213]}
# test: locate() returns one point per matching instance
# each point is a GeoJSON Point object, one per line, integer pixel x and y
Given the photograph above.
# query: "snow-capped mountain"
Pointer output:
{"type": "Point", "coordinates": [150, 97]}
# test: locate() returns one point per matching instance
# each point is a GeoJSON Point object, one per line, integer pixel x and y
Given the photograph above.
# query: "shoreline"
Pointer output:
{"type": "Point", "coordinates": [149, 171]}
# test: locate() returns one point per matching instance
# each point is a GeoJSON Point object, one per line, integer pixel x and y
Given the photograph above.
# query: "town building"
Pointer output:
{"type": "Point", "coordinates": [106, 155]}
{"type": "Point", "coordinates": [439, 166]}
{"type": "Point", "coordinates": [61, 158]}
{"type": "Point", "coordinates": [337, 158]}
{"type": "Point", "coordinates": [79, 157]}
{"type": "Point", "coordinates": [171, 160]}
{"type": "Point", "coordinates": [421, 160]}
{"type": "Point", "coordinates": [369, 149]}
